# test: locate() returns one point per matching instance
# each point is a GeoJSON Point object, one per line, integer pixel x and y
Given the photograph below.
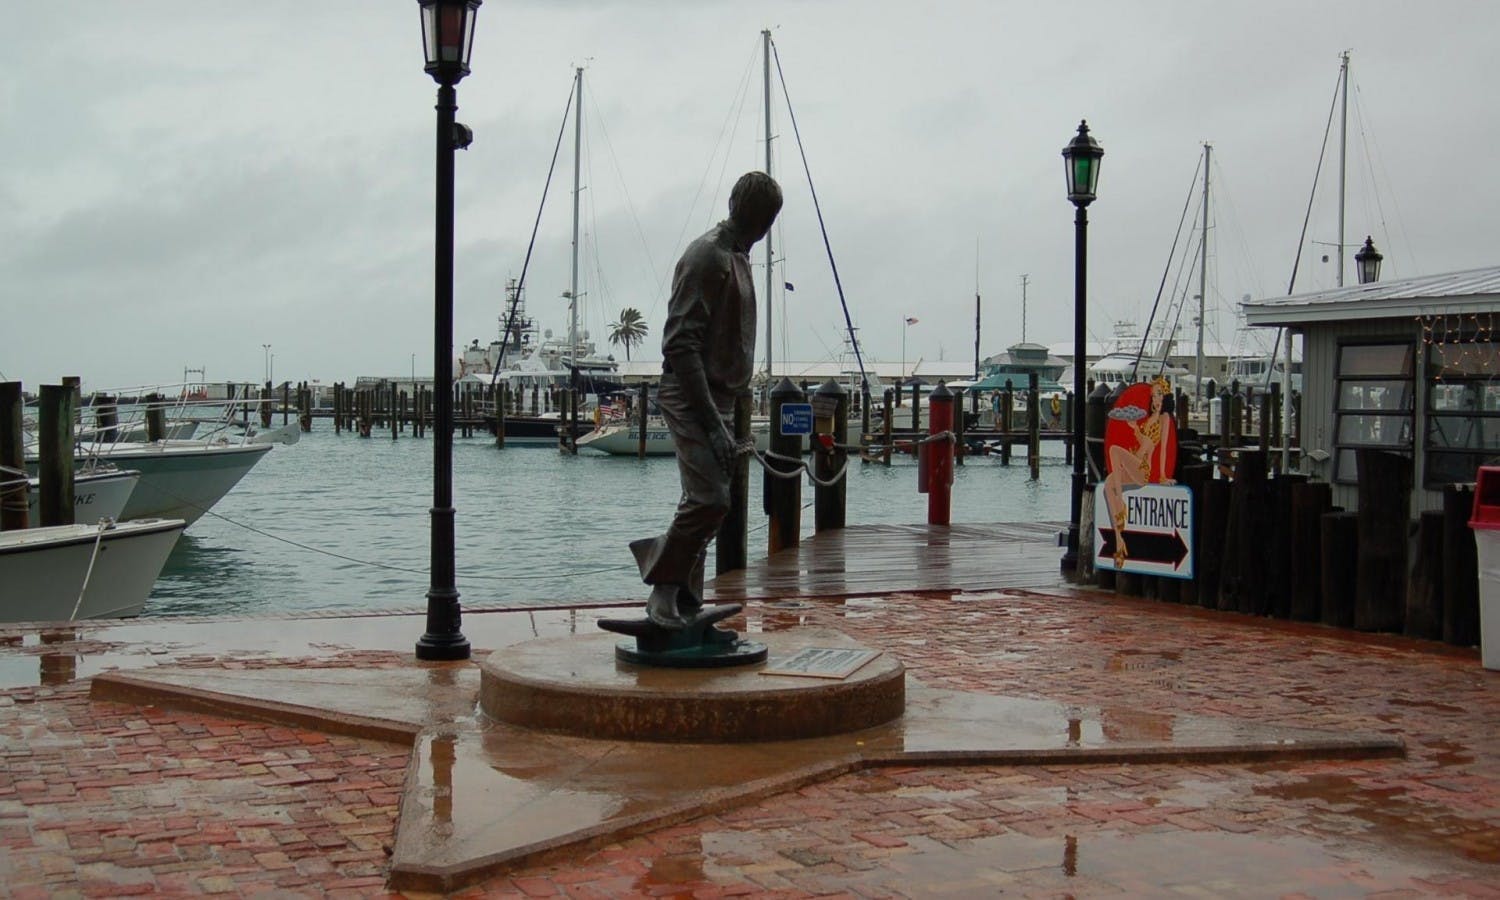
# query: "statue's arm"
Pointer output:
{"type": "Point", "coordinates": [696, 286]}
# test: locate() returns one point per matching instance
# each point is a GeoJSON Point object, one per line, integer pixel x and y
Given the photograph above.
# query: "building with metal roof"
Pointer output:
{"type": "Point", "coordinates": [1410, 366]}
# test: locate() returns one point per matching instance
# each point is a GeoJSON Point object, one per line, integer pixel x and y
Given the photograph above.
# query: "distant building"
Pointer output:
{"type": "Point", "coordinates": [1016, 365]}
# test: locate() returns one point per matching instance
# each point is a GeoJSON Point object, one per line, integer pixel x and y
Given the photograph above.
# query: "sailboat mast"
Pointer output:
{"type": "Point", "coordinates": [577, 167]}
{"type": "Point", "coordinates": [765, 36]}
{"type": "Point", "coordinates": [1203, 270]}
{"type": "Point", "coordinates": [1343, 148]}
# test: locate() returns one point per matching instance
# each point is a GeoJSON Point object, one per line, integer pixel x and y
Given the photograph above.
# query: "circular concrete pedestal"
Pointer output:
{"type": "Point", "coordinates": [574, 685]}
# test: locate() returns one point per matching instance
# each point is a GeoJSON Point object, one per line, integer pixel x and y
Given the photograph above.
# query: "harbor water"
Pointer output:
{"type": "Point", "coordinates": [339, 523]}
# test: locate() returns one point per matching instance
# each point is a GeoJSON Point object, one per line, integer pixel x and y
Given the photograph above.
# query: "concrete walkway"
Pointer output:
{"type": "Point", "coordinates": [110, 799]}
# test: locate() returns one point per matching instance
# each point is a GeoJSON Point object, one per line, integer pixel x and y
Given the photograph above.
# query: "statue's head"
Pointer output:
{"type": "Point", "coordinates": [754, 203]}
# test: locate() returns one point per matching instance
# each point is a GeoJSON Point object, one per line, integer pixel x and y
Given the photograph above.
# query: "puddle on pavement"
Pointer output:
{"type": "Point", "coordinates": [1389, 815]}
{"type": "Point", "coordinates": [1106, 862]}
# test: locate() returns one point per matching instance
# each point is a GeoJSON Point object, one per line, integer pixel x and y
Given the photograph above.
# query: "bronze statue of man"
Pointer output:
{"type": "Point", "coordinates": [708, 356]}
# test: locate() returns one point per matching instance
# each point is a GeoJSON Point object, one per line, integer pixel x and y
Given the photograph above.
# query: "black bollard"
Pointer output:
{"type": "Point", "coordinates": [830, 418]}
{"type": "Point", "coordinates": [783, 496]}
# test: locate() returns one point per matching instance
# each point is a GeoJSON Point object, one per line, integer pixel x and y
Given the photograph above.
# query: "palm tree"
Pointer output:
{"type": "Point", "coordinates": [630, 330]}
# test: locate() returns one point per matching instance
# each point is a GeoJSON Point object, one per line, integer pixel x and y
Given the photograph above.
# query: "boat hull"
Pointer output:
{"type": "Point", "coordinates": [625, 440]}
{"type": "Point", "coordinates": [183, 481]}
{"type": "Point", "coordinates": [43, 570]}
{"type": "Point", "coordinates": [541, 431]}
{"type": "Point", "coordinates": [95, 496]}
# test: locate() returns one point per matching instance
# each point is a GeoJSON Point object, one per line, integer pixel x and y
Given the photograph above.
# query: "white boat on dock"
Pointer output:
{"type": "Point", "coordinates": [69, 572]}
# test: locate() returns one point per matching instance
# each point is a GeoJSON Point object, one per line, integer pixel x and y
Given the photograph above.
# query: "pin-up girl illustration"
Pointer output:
{"type": "Point", "coordinates": [1140, 443]}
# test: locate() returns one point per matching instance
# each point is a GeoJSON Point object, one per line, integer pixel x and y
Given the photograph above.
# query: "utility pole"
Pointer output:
{"type": "Point", "coordinates": [1024, 280]}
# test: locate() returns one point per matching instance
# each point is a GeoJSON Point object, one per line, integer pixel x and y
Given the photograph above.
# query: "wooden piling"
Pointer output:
{"type": "Point", "coordinates": [1033, 427]}
{"type": "Point", "coordinates": [960, 446]}
{"type": "Point", "coordinates": [156, 419]}
{"type": "Point", "coordinates": [916, 408]}
{"type": "Point", "coordinates": [1424, 592]}
{"type": "Point", "coordinates": [643, 416]}
{"type": "Point", "coordinates": [1310, 501]}
{"type": "Point", "coordinates": [1243, 581]}
{"type": "Point", "coordinates": [504, 397]}
{"type": "Point", "coordinates": [1384, 507]}
{"type": "Point", "coordinates": [55, 449]}
{"type": "Point", "coordinates": [1278, 538]}
{"type": "Point", "coordinates": [1340, 546]}
{"type": "Point", "coordinates": [886, 424]}
{"type": "Point", "coordinates": [15, 493]}
{"type": "Point", "coordinates": [1213, 533]}
{"type": "Point", "coordinates": [1460, 568]}
{"type": "Point", "coordinates": [574, 398]}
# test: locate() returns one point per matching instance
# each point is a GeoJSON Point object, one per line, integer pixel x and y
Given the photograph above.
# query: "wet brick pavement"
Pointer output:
{"type": "Point", "coordinates": [99, 799]}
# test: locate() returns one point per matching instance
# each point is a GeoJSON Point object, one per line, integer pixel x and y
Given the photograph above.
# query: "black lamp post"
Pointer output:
{"type": "Point", "coordinates": [1367, 262]}
{"type": "Point", "coordinates": [1082, 159]}
{"type": "Point", "coordinates": [447, 40]}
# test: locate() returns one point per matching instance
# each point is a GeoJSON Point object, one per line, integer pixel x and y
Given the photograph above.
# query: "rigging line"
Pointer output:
{"type": "Point", "coordinates": [1307, 217]}
{"type": "Point", "coordinates": [864, 379]}
{"type": "Point", "coordinates": [731, 116]}
{"type": "Point", "coordinates": [510, 321]}
{"type": "Point", "coordinates": [625, 189]}
{"type": "Point", "coordinates": [1179, 303]}
{"type": "Point", "coordinates": [1378, 159]}
{"type": "Point", "coordinates": [1368, 139]}
{"type": "Point", "coordinates": [1171, 255]}
{"type": "Point", "coordinates": [1226, 201]}
{"type": "Point", "coordinates": [1317, 173]}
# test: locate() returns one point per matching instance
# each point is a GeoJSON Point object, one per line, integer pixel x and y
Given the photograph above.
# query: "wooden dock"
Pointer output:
{"type": "Point", "coordinates": [870, 559]}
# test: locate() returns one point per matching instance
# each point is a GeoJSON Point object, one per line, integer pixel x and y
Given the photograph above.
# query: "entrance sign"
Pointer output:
{"type": "Point", "coordinates": [796, 418]}
{"type": "Point", "coordinates": [1143, 518]}
{"type": "Point", "coordinates": [1158, 531]}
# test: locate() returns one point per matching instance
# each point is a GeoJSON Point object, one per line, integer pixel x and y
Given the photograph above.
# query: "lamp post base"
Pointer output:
{"type": "Point", "coordinates": [442, 647]}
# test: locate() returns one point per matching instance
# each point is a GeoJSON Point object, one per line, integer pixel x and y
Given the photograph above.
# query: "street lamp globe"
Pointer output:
{"type": "Point", "coordinates": [1082, 157]}
{"type": "Point", "coordinates": [1367, 262]}
{"type": "Point", "coordinates": [448, 37]}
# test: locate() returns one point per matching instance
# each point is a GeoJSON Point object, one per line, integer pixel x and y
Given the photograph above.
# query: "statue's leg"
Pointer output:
{"type": "Point", "coordinates": [691, 599]}
{"type": "Point", "coordinates": [676, 558]}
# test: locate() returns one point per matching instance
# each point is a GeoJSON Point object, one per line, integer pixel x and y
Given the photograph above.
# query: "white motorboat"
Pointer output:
{"type": "Point", "coordinates": [69, 572]}
{"type": "Point", "coordinates": [624, 439]}
{"type": "Point", "coordinates": [97, 495]}
{"type": "Point", "coordinates": [181, 480]}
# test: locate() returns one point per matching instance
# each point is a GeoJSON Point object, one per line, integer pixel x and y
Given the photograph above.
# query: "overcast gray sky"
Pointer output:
{"type": "Point", "coordinates": [183, 183]}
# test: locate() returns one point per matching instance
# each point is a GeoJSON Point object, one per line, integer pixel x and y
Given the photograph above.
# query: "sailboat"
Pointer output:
{"type": "Point", "coordinates": [550, 362]}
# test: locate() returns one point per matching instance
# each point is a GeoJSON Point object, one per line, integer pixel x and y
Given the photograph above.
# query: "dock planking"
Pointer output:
{"type": "Point", "coordinates": [868, 559]}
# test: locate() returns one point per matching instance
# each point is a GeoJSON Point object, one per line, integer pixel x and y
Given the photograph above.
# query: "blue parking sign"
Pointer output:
{"type": "Point", "coordinates": [796, 418]}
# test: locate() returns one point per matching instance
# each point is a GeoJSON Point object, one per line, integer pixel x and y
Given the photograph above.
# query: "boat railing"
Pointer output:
{"type": "Point", "coordinates": [184, 417]}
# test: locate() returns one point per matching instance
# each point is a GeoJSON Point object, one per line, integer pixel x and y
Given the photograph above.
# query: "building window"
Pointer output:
{"type": "Point", "coordinates": [1463, 405]}
{"type": "Point", "coordinates": [1374, 406]}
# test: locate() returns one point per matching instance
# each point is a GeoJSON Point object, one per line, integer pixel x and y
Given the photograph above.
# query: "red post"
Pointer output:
{"type": "Point", "coordinates": [940, 457]}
